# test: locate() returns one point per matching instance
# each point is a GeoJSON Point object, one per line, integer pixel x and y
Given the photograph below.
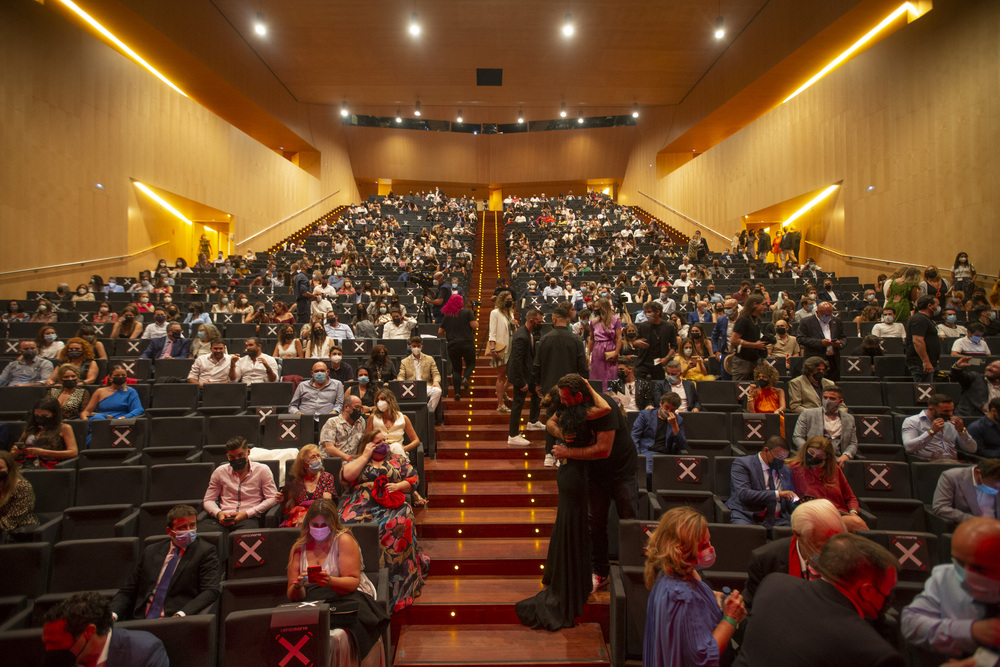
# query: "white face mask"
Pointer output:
{"type": "Point", "coordinates": [382, 406]}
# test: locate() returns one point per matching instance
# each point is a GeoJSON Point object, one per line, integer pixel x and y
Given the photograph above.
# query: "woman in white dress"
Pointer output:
{"type": "Point", "coordinates": [502, 324]}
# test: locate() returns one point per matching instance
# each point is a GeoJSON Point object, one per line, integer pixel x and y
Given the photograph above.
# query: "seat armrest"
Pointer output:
{"type": "Point", "coordinates": [18, 621]}
{"type": "Point", "coordinates": [46, 531]}
{"type": "Point", "coordinates": [869, 518]}
{"type": "Point", "coordinates": [722, 513]}
{"type": "Point", "coordinates": [617, 622]}
{"type": "Point", "coordinates": [272, 519]}
{"type": "Point", "coordinates": [655, 506]}
{"type": "Point", "coordinates": [69, 464]}
{"type": "Point", "coordinates": [128, 526]}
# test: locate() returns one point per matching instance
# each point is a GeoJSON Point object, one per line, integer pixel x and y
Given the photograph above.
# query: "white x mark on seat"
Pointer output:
{"type": "Point", "coordinates": [359, 346]}
{"type": "Point", "coordinates": [407, 389]}
{"type": "Point", "coordinates": [303, 605]}
{"type": "Point", "coordinates": [129, 366]}
{"type": "Point", "coordinates": [871, 427]}
{"type": "Point", "coordinates": [251, 550]}
{"type": "Point", "coordinates": [907, 554]}
{"type": "Point", "coordinates": [853, 365]}
{"type": "Point", "coordinates": [924, 391]}
{"type": "Point", "coordinates": [289, 430]}
{"type": "Point", "coordinates": [83, 317]}
{"type": "Point", "coordinates": [772, 362]}
{"type": "Point", "coordinates": [121, 435]}
{"type": "Point", "coordinates": [687, 470]}
{"type": "Point", "coordinates": [133, 346]}
{"type": "Point", "coordinates": [742, 390]}
{"type": "Point", "coordinates": [264, 413]}
{"type": "Point", "coordinates": [755, 430]}
{"type": "Point", "coordinates": [12, 347]}
{"type": "Point", "coordinates": [878, 477]}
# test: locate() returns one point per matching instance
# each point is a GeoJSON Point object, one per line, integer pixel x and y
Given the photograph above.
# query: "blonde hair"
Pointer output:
{"type": "Point", "coordinates": [299, 466]}
{"type": "Point", "coordinates": [829, 468]}
{"type": "Point", "coordinates": [673, 547]}
{"type": "Point", "coordinates": [604, 312]}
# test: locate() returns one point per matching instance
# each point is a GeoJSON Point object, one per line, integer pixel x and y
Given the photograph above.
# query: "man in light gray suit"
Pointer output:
{"type": "Point", "coordinates": [829, 421]}
{"type": "Point", "coordinates": [967, 491]}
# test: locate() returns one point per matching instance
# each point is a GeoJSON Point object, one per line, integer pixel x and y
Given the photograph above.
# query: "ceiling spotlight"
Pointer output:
{"type": "Point", "coordinates": [720, 30]}
{"type": "Point", "coordinates": [260, 27]}
{"type": "Point", "coordinates": [635, 110]}
{"type": "Point", "coordinates": [399, 118]}
{"type": "Point", "coordinates": [416, 109]}
{"type": "Point", "coordinates": [567, 29]}
{"type": "Point", "coordinates": [579, 119]}
{"type": "Point", "coordinates": [562, 110]}
{"type": "Point", "coordinates": [343, 108]}
{"type": "Point", "coordinates": [460, 116]}
{"type": "Point", "coordinates": [414, 24]}
{"type": "Point", "coordinates": [520, 116]}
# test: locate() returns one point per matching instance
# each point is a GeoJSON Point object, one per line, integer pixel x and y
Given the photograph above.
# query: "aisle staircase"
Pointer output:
{"type": "Point", "coordinates": [487, 526]}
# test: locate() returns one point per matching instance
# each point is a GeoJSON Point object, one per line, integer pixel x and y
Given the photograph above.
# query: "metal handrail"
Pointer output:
{"type": "Point", "coordinates": [286, 219]}
{"type": "Point", "coordinates": [883, 261]}
{"type": "Point", "coordinates": [84, 261]}
{"type": "Point", "coordinates": [687, 217]}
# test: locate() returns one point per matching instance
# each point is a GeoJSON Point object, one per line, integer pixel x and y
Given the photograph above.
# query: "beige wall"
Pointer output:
{"type": "Point", "coordinates": [917, 116]}
{"type": "Point", "coordinates": [76, 113]}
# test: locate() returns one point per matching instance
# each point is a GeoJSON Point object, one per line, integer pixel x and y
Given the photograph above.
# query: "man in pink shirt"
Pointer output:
{"type": "Point", "coordinates": [239, 493]}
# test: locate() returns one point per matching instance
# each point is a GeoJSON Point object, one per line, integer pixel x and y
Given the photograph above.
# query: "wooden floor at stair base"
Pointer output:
{"type": "Point", "coordinates": [443, 646]}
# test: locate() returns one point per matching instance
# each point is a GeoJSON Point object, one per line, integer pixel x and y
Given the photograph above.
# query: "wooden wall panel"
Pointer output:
{"type": "Point", "coordinates": [916, 116]}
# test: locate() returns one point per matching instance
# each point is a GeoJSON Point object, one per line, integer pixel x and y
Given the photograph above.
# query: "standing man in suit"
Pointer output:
{"type": "Point", "coordinates": [158, 586]}
{"type": "Point", "coordinates": [558, 353]}
{"type": "Point", "coordinates": [967, 491]}
{"type": "Point", "coordinates": [171, 346]}
{"type": "Point", "coordinates": [519, 370]}
{"type": "Point", "coordinates": [761, 487]}
{"type": "Point", "coordinates": [832, 421]}
{"type": "Point", "coordinates": [685, 389]}
{"type": "Point", "coordinates": [825, 621]}
{"type": "Point", "coordinates": [763, 244]}
{"type": "Point", "coordinates": [302, 293]}
{"type": "Point", "coordinates": [78, 631]}
{"type": "Point", "coordinates": [822, 335]}
{"type": "Point", "coordinates": [419, 366]}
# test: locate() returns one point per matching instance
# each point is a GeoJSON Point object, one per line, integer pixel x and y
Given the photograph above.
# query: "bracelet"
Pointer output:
{"type": "Point", "coordinates": [731, 621]}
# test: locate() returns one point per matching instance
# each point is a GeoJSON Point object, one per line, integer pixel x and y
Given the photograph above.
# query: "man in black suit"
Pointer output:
{"type": "Point", "coordinates": [192, 583]}
{"type": "Point", "coordinates": [78, 631]}
{"type": "Point", "coordinates": [172, 346]}
{"type": "Point", "coordinates": [302, 293]}
{"type": "Point", "coordinates": [813, 523]}
{"type": "Point", "coordinates": [825, 621]}
{"type": "Point", "coordinates": [977, 388]}
{"type": "Point", "coordinates": [822, 335]}
{"type": "Point", "coordinates": [559, 352]}
{"type": "Point", "coordinates": [519, 371]}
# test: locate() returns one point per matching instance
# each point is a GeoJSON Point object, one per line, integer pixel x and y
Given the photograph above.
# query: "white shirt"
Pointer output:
{"type": "Point", "coordinates": [628, 397]}
{"type": "Point", "coordinates": [966, 346]}
{"type": "Point", "coordinates": [206, 369]}
{"type": "Point", "coordinates": [957, 331]}
{"type": "Point", "coordinates": [401, 332]}
{"type": "Point", "coordinates": [825, 328]}
{"type": "Point", "coordinates": [682, 283]}
{"type": "Point", "coordinates": [251, 370]}
{"type": "Point", "coordinates": [894, 330]}
{"type": "Point", "coordinates": [154, 330]}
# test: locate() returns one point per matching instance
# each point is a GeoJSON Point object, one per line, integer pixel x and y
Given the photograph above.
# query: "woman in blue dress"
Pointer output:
{"type": "Point", "coordinates": [116, 401]}
{"type": "Point", "coordinates": [687, 623]}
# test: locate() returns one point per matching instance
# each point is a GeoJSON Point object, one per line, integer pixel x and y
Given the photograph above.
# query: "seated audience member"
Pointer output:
{"type": "Point", "coordinates": [399, 327]}
{"type": "Point", "coordinates": [888, 327]}
{"type": "Point", "coordinates": [44, 313]}
{"type": "Point", "coordinates": [761, 487]}
{"type": "Point", "coordinates": [320, 395]}
{"type": "Point", "coordinates": [17, 498]}
{"type": "Point", "coordinates": [986, 432]}
{"type": "Point", "coordinates": [390, 421]}
{"type": "Point", "coordinates": [88, 333]}
{"type": "Point", "coordinates": [817, 475]}
{"type": "Point", "coordinates": [634, 394]}
{"type": "Point", "coordinates": [936, 433]}
{"type": "Point", "coordinates": [831, 421]}
{"type": "Point", "coordinates": [239, 492]}
{"type": "Point", "coordinates": [956, 613]}
{"type": "Point", "coordinates": [68, 390]}
{"type": "Point", "coordinates": [420, 366]}
{"type": "Point", "coordinates": [254, 366]}
{"type": "Point", "coordinates": [686, 389]}
{"type": "Point", "coordinates": [813, 523]}
{"type": "Point", "coordinates": [80, 355]}
{"type": "Point", "coordinates": [306, 483]}
{"type": "Point", "coordinates": [28, 368]}
{"type": "Point", "coordinates": [806, 391]}
{"type": "Point", "coordinates": [325, 564]}
{"type": "Point", "coordinates": [978, 389]}
{"type": "Point", "coordinates": [380, 366]}
{"type": "Point", "coordinates": [967, 491]}
{"type": "Point", "coordinates": [211, 368]}
{"type": "Point", "coordinates": [317, 342]}
{"type": "Point", "coordinates": [48, 344]}
{"type": "Point", "coordinates": [786, 345]}
{"type": "Point", "coordinates": [128, 324]}
{"type": "Point", "coordinates": [971, 344]}
{"type": "Point", "coordinates": [204, 337]}
{"type": "Point", "coordinates": [46, 439]}
{"type": "Point", "coordinates": [807, 306]}
{"type": "Point", "coordinates": [172, 345]}
{"type": "Point", "coordinates": [174, 577]}
{"type": "Point", "coordinates": [337, 330]}
{"type": "Point", "coordinates": [950, 327]}
{"type": "Point", "coordinates": [825, 621]}
{"type": "Point", "coordinates": [764, 396]}
{"type": "Point", "coordinates": [222, 304]}
{"type": "Point", "coordinates": [692, 359]}
{"type": "Point", "coordinates": [196, 314]}
{"type": "Point", "coordinates": [363, 390]}
{"type": "Point", "coordinates": [342, 434]}
{"type": "Point", "coordinates": [158, 327]}
{"type": "Point", "coordinates": [115, 401]}
{"type": "Point", "coordinates": [368, 500]}
{"type": "Point", "coordinates": [660, 430]}
{"type": "Point", "coordinates": [281, 314]}
{"type": "Point", "coordinates": [78, 631]}
{"type": "Point", "coordinates": [340, 369]}
{"type": "Point", "coordinates": [687, 622]}
{"type": "Point", "coordinates": [14, 313]}
{"type": "Point", "coordinates": [288, 345]}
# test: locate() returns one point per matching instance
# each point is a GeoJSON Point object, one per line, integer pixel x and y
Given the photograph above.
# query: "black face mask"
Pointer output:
{"type": "Point", "coordinates": [776, 464]}
{"type": "Point", "coordinates": [814, 462]}
{"type": "Point", "coordinates": [781, 330]}
{"type": "Point", "coordinates": [28, 355]}
{"type": "Point", "coordinates": [763, 383]}
{"type": "Point", "coordinates": [238, 464]}
{"type": "Point", "coordinates": [74, 354]}
{"type": "Point", "coordinates": [818, 376]}
{"type": "Point", "coordinates": [119, 381]}
{"type": "Point", "coordinates": [931, 274]}
{"type": "Point", "coordinates": [357, 414]}
{"type": "Point", "coordinates": [45, 422]}
{"type": "Point", "coordinates": [70, 384]}
{"type": "Point", "coordinates": [63, 658]}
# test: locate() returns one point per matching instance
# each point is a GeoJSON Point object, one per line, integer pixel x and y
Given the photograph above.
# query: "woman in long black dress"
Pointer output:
{"type": "Point", "coordinates": [567, 577]}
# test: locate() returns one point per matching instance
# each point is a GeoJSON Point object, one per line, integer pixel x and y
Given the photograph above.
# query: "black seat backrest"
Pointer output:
{"type": "Point", "coordinates": [682, 473]}
{"type": "Point", "coordinates": [85, 565]}
{"type": "Point", "coordinates": [177, 431]}
{"type": "Point", "coordinates": [878, 479]}
{"type": "Point", "coordinates": [189, 640]}
{"type": "Point", "coordinates": [260, 552]}
{"type": "Point", "coordinates": [26, 568]}
{"type": "Point", "coordinates": [179, 481]}
{"type": "Point", "coordinates": [111, 485]}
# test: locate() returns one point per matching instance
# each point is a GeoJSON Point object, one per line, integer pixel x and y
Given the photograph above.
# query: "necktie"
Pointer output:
{"type": "Point", "coordinates": [156, 606]}
{"type": "Point", "coordinates": [768, 481]}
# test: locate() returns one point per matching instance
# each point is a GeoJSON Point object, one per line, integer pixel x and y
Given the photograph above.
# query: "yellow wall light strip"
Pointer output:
{"type": "Point", "coordinates": [119, 43]}
{"type": "Point", "coordinates": [161, 201]}
{"type": "Point", "coordinates": [905, 7]}
{"type": "Point", "coordinates": [802, 211]}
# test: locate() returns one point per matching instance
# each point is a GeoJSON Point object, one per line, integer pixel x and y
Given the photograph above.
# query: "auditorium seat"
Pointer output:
{"type": "Point", "coordinates": [114, 441]}
{"type": "Point", "coordinates": [191, 641]}
{"type": "Point", "coordinates": [733, 546]}
{"type": "Point", "coordinates": [16, 402]}
{"type": "Point", "coordinates": [629, 594]}
{"type": "Point", "coordinates": [84, 565]}
{"type": "Point", "coordinates": [137, 369]}
{"type": "Point", "coordinates": [223, 427]}
{"type": "Point", "coordinates": [228, 398]}
{"type": "Point", "coordinates": [892, 368]}
{"type": "Point", "coordinates": [179, 481]}
{"type": "Point", "coordinates": [856, 368]}
{"type": "Point", "coordinates": [174, 439]}
{"type": "Point", "coordinates": [250, 635]}
{"type": "Point", "coordinates": [864, 397]}
{"type": "Point", "coordinates": [722, 486]}
{"type": "Point", "coordinates": [916, 554]}
{"type": "Point", "coordinates": [680, 481]}
{"type": "Point", "coordinates": [924, 476]}
{"type": "Point", "coordinates": [172, 399]}
{"type": "Point", "coordinates": [271, 394]}
{"type": "Point", "coordinates": [128, 347]}
{"type": "Point", "coordinates": [111, 485]}
{"type": "Point", "coordinates": [883, 488]}
{"type": "Point", "coordinates": [55, 490]}
{"type": "Point", "coordinates": [288, 430]}
{"type": "Point", "coordinates": [706, 430]}
{"type": "Point", "coordinates": [26, 576]}
{"type": "Point", "coordinates": [718, 396]}
{"type": "Point", "coordinates": [97, 522]}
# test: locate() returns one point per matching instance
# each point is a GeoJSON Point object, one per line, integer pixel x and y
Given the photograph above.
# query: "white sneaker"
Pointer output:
{"type": "Point", "coordinates": [518, 441]}
{"type": "Point", "coordinates": [535, 426]}
{"type": "Point", "coordinates": [598, 582]}
{"type": "Point", "coordinates": [549, 461]}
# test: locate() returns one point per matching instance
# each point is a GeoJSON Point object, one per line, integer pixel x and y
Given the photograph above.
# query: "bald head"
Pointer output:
{"type": "Point", "coordinates": [825, 308]}
{"type": "Point", "coordinates": [977, 543]}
